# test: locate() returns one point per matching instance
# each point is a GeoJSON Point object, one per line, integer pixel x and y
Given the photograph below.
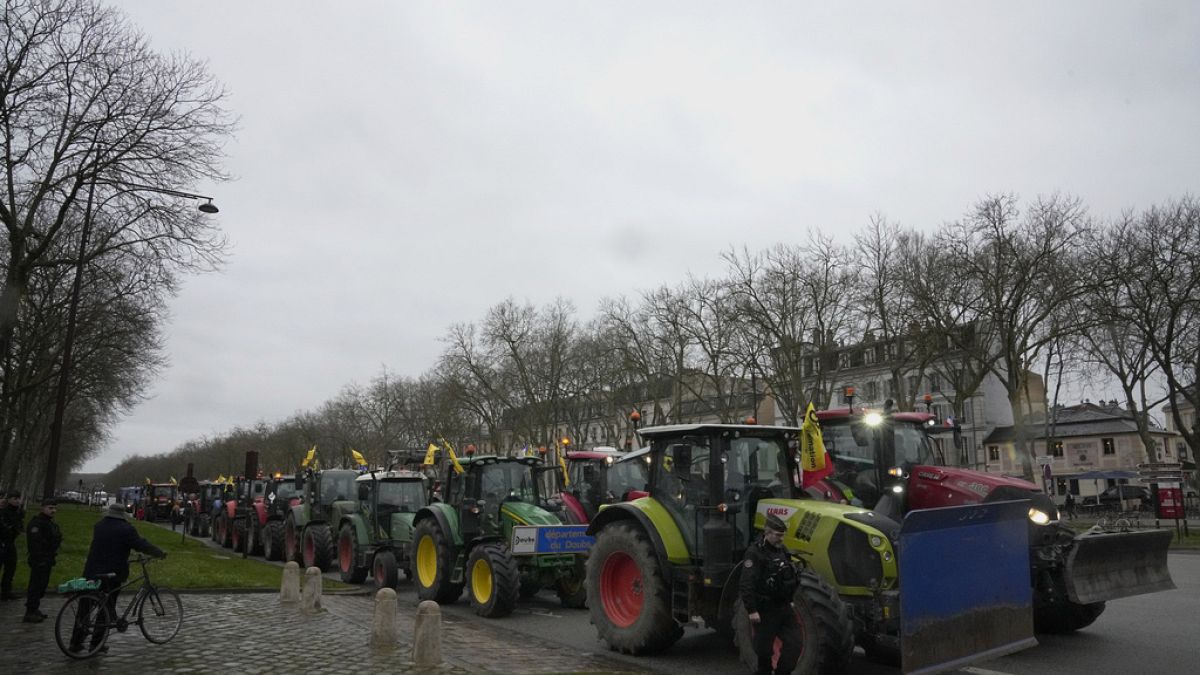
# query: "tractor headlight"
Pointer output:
{"type": "Point", "coordinates": [898, 489]}
{"type": "Point", "coordinates": [873, 419]}
{"type": "Point", "coordinates": [1038, 516]}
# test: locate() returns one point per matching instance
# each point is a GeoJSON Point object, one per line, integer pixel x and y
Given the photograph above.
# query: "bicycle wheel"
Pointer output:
{"type": "Point", "coordinates": [81, 627]}
{"type": "Point", "coordinates": [164, 617]}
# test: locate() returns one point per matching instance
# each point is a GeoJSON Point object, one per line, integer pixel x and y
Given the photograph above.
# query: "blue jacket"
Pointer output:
{"type": "Point", "coordinates": [112, 540]}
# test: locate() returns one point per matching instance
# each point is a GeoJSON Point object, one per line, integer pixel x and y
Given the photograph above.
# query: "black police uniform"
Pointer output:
{"type": "Point", "coordinates": [43, 538]}
{"type": "Point", "coordinates": [12, 522]}
{"type": "Point", "coordinates": [768, 581]}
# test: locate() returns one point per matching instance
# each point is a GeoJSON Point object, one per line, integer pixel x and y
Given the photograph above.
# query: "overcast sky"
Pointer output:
{"type": "Point", "coordinates": [403, 166]}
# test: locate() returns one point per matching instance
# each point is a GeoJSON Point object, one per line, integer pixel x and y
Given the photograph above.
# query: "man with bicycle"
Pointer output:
{"type": "Point", "coordinates": [112, 540]}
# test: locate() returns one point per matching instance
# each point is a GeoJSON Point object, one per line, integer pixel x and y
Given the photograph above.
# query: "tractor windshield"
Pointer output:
{"type": "Point", "coordinates": [757, 465]}
{"type": "Point", "coordinates": [285, 489]}
{"type": "Point", "coordinates": [626, 476]}
{"type": "Point", "coordinates": [912, 446]}
{"type": "Point", "coordinates": [337, 486]}
{"type": "Point", "coordinates": [167, 491]}
{"type": "Point", "coordinates": [508, 480]}
{"type": "Point", "coordinates": [405, 496]}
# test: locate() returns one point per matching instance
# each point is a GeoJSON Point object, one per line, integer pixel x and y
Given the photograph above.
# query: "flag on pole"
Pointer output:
{"type": "Point", "coordinates": [173, 481]}
{"type": "Point", "coordinates": [358, 458]}
{"type": "Point", "coordinates": [429, 453]}
{"type": "Point", "coordinates": [312, 452]}
{"type": "Point", "coordinates": [220, 479]}
{"type": "Point", "coordinates": [453, 458]}
{"type": "Point", "coordinates": [562, 462]}
{"type": "Point", "coordinates": [814, 459]}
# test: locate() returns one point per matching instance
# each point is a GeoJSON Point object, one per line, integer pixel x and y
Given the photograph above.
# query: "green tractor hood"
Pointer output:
{"type": "Point", "coordinates": [524, 513]}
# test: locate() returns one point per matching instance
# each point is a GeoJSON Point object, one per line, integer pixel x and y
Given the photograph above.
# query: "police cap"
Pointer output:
{"type": "Point", "coordinates": [775, 523]}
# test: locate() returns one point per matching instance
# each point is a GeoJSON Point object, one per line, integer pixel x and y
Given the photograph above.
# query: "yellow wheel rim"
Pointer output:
{"type": "Point", "coordinates": [427, 561]}
{"type": "Point", "coordinates": [481, 581]}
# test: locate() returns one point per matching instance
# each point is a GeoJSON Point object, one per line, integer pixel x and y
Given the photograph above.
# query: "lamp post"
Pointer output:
{"type": "Point", "coordinates": [64, 374]}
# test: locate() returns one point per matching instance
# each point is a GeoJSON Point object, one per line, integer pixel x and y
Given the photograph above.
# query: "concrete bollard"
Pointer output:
{"type": "Point", "coordinates": [427, 635]}
{"type": "Point", "coordinates": [383, 628]}
{"type": "Point", "coordinates": [311, 602]}
{"type": "Point", "coordinates": [289, 590]}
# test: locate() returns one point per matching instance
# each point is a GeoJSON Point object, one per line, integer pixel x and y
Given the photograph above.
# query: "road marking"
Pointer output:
{"type": "Point", "coordinates": [983, 671]}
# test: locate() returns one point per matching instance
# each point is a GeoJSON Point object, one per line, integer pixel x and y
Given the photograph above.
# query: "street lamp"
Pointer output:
{"type": "Point", "coordinates": [60, 400]}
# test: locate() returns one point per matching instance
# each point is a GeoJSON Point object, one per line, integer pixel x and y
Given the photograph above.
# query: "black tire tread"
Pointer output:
{"type": "Point", "coordinates": [506, 581]}
{"type": "Point", "coordinates": [655, 630]}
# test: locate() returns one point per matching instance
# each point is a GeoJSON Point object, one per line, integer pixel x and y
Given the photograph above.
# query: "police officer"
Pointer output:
{"type": "Point", "coordinates": [768, 581]}
{"type": "Point", "coordinates": [42, 537]}
{"type": "Point", "coordinates": [12, 521]}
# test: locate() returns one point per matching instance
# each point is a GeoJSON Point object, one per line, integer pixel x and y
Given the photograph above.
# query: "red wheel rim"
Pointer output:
{"type": "Point", "coordinates": [289, 540]}
{"type": "Point", "coordinates": [621, 589]}
{"type": "Point", "coordinates": [379, 575]}
{"type": "Point", "coordinates": [309, 549]}
{"type": "Point", "coordinates": [345, 554]}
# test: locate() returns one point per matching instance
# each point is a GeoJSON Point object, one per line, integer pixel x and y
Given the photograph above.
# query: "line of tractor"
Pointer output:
{"type": "Point", "coordinates": [923, 565]}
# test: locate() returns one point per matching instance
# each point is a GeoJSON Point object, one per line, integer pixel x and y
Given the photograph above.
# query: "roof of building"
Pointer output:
{"type": "Point", "coordinates": [1089, 419]}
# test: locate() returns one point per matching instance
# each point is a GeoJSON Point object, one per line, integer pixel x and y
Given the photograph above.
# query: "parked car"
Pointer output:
{"type": "Point", "coordinates": [1135, 496]}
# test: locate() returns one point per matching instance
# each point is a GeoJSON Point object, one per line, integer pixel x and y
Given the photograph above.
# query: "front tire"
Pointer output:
{"type": "Point", "coordinates": [160, 615]}
{"type": "Point", "coordinates": [238, 535]}
{"type": "Point", "coordinates": [273, 541]}
{"type": "Point", "coordinates": [630, 603]}
{"type": "Point", "coordinates": [433, 558]}
{"type": "Point", "coordinates": [826, 629]}
{"type": "Point", "coordinates": [347, 548]}
{"type": "Point", "coordinates": [383, 569]}
{"type": "Point", "coordinates": [291, 540]}
{"type": "Point", "coordinates": [494, 581]}
{"type": "Point", "coordinates": [318, 547]}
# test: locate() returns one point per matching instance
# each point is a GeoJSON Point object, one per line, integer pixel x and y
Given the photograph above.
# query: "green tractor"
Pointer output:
{"type": "Point", "coordinates": [329, 495]}
{"type": "Point", "coordinates": [376, 537]}
{"type": "Point", "coordinates": [673, 559]}
{"type": "Point", "coordinates": [492, 534]}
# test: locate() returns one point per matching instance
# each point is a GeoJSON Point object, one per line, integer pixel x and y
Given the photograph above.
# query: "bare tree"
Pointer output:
{"type": "Point", "coordinates": [95, 122]}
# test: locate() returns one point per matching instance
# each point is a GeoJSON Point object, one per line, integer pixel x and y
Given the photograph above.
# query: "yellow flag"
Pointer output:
{"type": "Point", "coordinates": [453, 458]}
{"type": "Point", "coordinates": [562, 462]}
{"type": "Point", "coordinates": [148, 481]}
{"type": "Point", "coordinates": [312, 452]}
{"type": "Point", "coordinates": [173, 481]}
{"type": "Point", "coordinates": [220, 479]}
{"type": "Point", "coordinates": [812, 445]}
{"type": "Point", "coordinates": [429, 453]}
{"type": "Point", "coordinates": [358, 458]}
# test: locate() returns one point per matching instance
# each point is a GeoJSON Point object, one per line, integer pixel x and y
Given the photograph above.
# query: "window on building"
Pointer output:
{"type": "Point", "coordinates": [1056, 449]}
{"type": "Point", "coordinates": [993, 453]}
{"type": "Point", "coordinates": [844, 360]}
{"type": "Point", "coordinates": [872, 391]}
{"type": "Point", "coordinates": [889, 351]}
{"type": "Point", "coordinates": [1167, 449]}
{"type": "Point", "coordinates": [1181, 449]}
{"type": "Point", "coordinates": [869, 356]}
{"type": "Point", "coordinates": [913, 383]}
{"type": "Point", "coordinates": [935, 383]}
{"type": "Point", "coordinates": [1110, 446]}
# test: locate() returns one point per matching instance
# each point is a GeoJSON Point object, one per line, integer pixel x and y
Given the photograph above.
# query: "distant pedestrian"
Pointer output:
{"type": "Point", "coordinates": [12, 521]}
{"type": "Point", "coordinates": [42, 537]}
{"type": "Point", "coordinates": [1069, 506]}
{"type": "Point", "coordinates": [112, 540]}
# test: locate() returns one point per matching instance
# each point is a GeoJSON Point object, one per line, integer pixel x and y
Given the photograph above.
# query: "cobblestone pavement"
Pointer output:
{"type": "Point", "coordinates": [253, 633]}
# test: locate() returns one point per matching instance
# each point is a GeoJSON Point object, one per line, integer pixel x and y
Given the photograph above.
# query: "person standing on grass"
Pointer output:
{"type": "Point", "coordinates": [12, 520]}
{"type": "Point", "coordinates": [112, 540]}
{"type": "Point", "coordinates": [43, 538]}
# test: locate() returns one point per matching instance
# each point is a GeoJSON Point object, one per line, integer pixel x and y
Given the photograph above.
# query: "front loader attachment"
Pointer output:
{"type": "Point", "coordinates": [965, 594]}
{"type": "Point", "coordinates": [1110, 565]}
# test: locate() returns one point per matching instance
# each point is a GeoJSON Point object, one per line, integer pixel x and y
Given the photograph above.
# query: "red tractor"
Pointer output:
{"type": "Point", "coordinates": [597, 477]}
{"type": "Point", "coordinates": [886, 461]}
{"type": "Point", "coordinates": [159, 503]}
{"type": "Point", "coordinates": [240, 518]}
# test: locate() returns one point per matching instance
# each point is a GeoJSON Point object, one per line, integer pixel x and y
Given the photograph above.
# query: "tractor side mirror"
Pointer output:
{"type": "Point", "coordinates": [299, 483]}
{"type": "Point", "coordinates": [683, 459]}
{"type": "Point", "coordinates": [860, 433]}
{"type": "Point", "coordinates": [364, 492]}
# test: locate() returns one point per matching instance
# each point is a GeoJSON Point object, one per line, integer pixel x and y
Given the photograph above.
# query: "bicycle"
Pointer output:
{"type": "Point", "coordinates": [84, 622]}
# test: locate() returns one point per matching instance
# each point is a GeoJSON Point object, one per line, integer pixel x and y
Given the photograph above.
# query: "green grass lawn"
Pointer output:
{"type": "Point", "coordinates": [190, 563]}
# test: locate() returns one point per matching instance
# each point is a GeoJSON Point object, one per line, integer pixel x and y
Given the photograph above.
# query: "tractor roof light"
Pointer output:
{"type": "Point", "coordinates": [873, 419]}
{"type": "Point", "coordinates": [722, 507]}
{"type": "Point", "coordinates": [896, 471]}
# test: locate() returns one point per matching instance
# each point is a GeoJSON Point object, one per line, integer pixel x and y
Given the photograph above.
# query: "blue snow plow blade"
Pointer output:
{"type": "Point", "coordinates": [965, 594]}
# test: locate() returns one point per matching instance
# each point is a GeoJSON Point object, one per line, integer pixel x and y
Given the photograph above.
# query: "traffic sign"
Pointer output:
{"type": "Point", "coordinates": [1044, 460]}
{"type": "Point", "coordinates": [1160, 479]}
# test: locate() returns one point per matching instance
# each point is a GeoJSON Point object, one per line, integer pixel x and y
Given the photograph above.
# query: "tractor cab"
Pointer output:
{"type": "Point", "coordinates": [711, 477]}
{"type": "Point", "coordinates": [866, 465]}
{"type": "Point", "coordinates": [488, 485]}
{"type": "Point", "coordinates": [382, 494]}
{"type": "Point", "coordinates": [597, 477]}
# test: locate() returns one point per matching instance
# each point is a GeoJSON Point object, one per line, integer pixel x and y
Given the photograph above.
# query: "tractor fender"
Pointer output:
{"type": "Point", "coordinates": [299, 516]}
{"type": "Point", "coordinates": [231, 509]}
{"type": "Point", "coordinates": [446, 517]}
{"type": "Point", "coordinates": [360, 528]}
{"type": "Point", "coordinates": [402, 527]}
{"type": "Point", "coordinates": [652, 518]}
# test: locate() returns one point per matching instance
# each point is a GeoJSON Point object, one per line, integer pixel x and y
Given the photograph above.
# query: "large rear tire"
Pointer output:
{"type": "Point", "coordinates": [318, 550]}
{"type": "Point", "coordinates": [204, 525]}
{"type": "Point", "coordinates": [347, 548]}
{"type": "Point", "coordinates": [630, 599]}
{"type": "Point", "coordinates": [383, 569]}
{"type": "Point", "coordinates": [826, 629]}
{"type": "Point", "coordinates": [273, 540]}
{"type": "Point", "coordinates": [433, 558]}
{"type": "Point", "coordinates": [494, 581]}
{"type": "Point", "coordinates": [239, 535]}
